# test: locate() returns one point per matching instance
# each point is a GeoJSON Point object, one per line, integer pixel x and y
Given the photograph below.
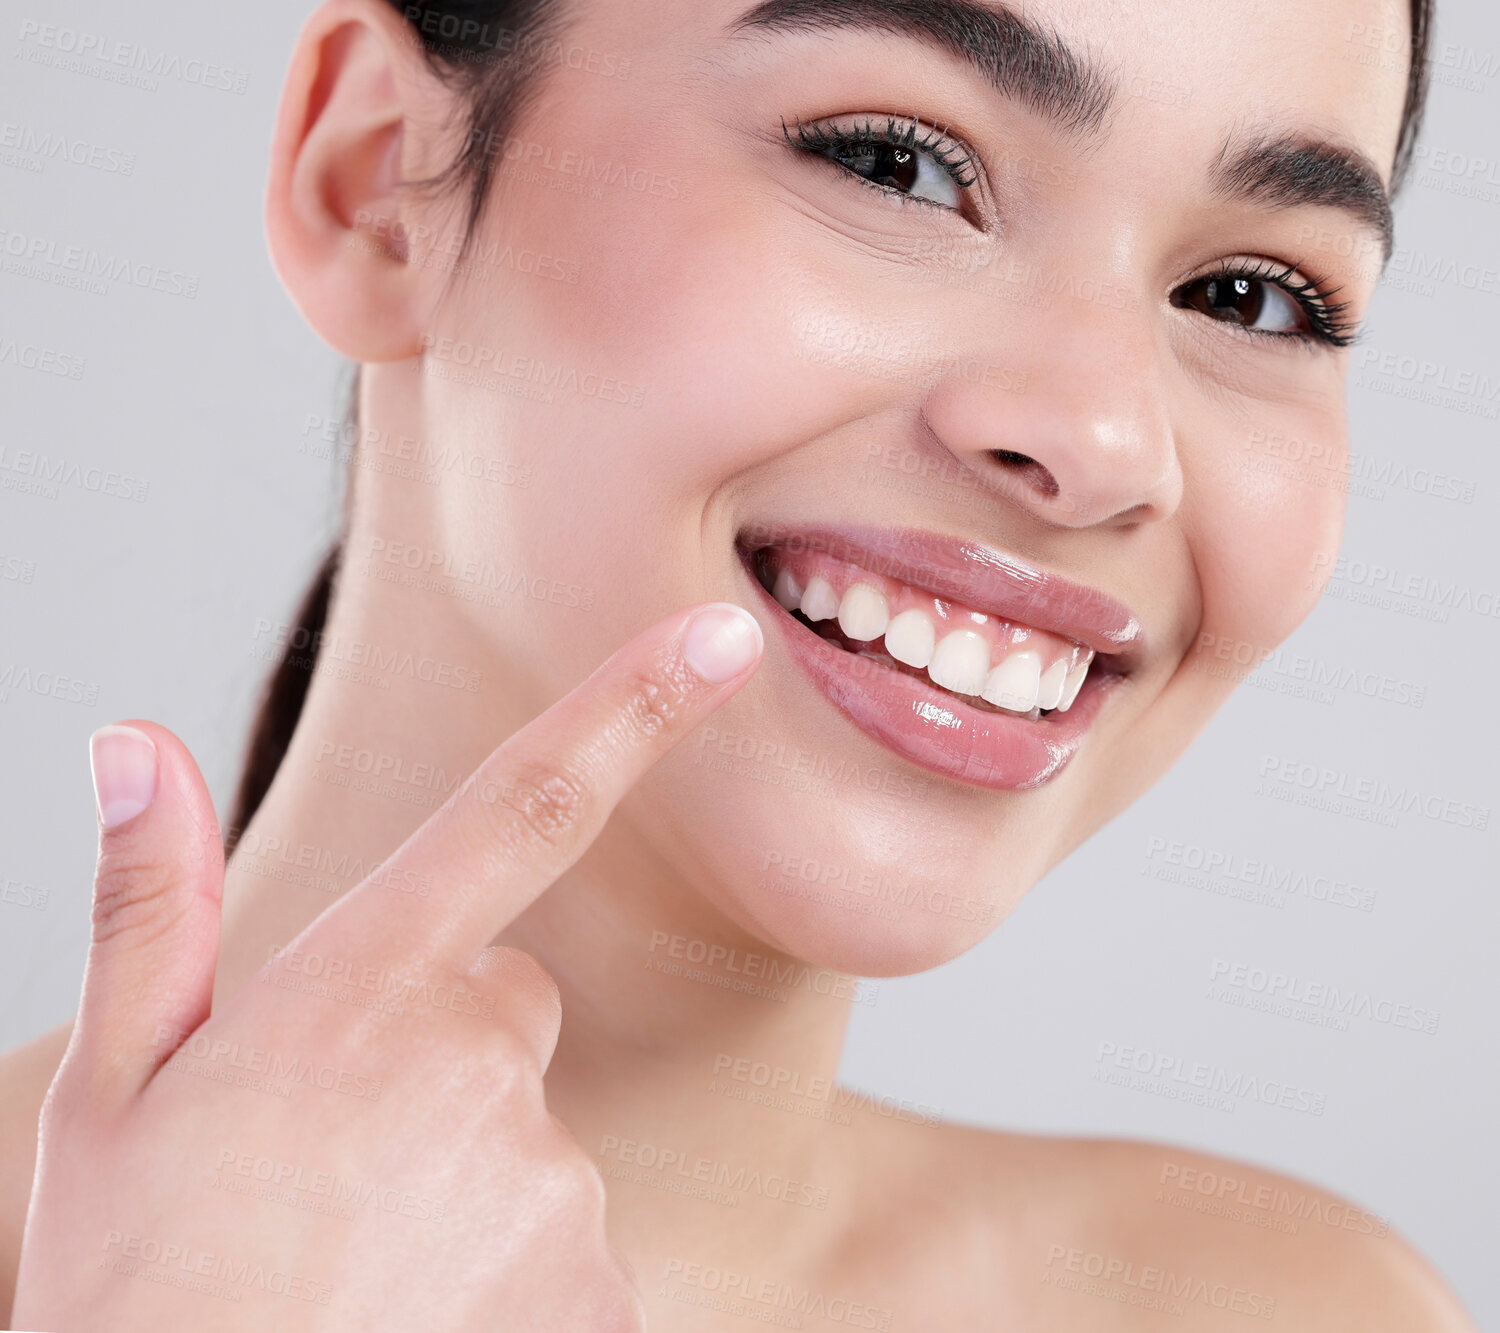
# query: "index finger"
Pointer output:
{"type": "Point", "coordinates": [527, 813]}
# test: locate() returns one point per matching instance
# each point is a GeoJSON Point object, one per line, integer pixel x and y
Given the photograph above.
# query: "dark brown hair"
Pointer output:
{"type": "Point", "coordinates": [489, 52]}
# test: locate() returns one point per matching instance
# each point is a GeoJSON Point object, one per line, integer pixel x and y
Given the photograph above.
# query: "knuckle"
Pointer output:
{"type": "Point", "coordinates": [650, 706]}
{"type": "Point", "coordinates": [134, 892]}
{"type": "Point", "coordinates": [546, 801]}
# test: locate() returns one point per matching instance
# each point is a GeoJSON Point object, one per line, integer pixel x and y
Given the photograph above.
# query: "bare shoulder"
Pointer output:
{"type": "Point", "coordinates": [1167, 1230]}
{"type": "Point", "coordinates": [1116, 1234]}
{"type": "Point", "coordinates": [25, 1075]}
{"type": "Point", "coordinates": [1314, 1259]}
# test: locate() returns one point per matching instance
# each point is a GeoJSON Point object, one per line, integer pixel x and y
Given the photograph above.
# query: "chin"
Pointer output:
{"type": "Point", "coordinates": [865, 873]}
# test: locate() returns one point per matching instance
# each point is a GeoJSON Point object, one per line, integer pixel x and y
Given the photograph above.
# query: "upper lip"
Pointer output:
{"type": "Point", "coordinates": [982, 578]}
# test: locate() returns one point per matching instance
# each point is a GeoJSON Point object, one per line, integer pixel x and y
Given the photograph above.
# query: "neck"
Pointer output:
{"type": "Point", "coordinates": [672, 1014]}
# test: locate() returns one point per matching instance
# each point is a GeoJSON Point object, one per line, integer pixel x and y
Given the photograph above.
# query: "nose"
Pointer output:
{"type": "Point", "coordinates": [1067, 415]}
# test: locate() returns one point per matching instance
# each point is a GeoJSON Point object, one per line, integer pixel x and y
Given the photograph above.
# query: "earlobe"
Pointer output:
{"type": "Point", "coordinates": [335, 209]}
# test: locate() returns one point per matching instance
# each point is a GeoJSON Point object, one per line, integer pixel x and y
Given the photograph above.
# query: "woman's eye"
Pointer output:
{"type": "Point", "coordinates": [901, 157]}
{"type": "Point", "coordinates": [909, 171]}
{"type": "Point", "coordinates": [1251, 302]}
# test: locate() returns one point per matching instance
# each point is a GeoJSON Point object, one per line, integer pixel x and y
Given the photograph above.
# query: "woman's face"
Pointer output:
{"type": "Point", "coordinates": [970, 330]}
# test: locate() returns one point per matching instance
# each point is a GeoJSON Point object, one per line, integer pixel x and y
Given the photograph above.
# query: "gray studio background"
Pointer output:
{"type": "Point", "coordinates": [150, 607]}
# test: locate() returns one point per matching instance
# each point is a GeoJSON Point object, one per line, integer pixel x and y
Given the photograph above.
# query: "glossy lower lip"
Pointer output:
{"type": "Point", "coordinates": [932, 729]}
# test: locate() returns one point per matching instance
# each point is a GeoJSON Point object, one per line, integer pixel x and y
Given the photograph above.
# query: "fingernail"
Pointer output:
{"type": "Point", "coordinates": [721, 641]}
{"type": "Point", "coordinates": [123, 761]}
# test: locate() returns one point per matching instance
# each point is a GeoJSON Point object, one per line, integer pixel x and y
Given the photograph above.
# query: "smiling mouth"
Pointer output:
{"type": "Point", "coordinates": [952, 654]}
{"type": "Point", "coordinates": [988, 662]}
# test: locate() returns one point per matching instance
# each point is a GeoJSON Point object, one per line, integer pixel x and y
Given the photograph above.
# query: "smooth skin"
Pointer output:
{"type": "Point", "coordinates": [727, 276]}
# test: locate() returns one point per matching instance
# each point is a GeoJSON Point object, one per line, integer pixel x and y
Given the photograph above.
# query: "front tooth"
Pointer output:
{"type": "Point", "coordinates": [961, 662]}
{"type": "Point", "coordinates": [819, 602]}
{"type": "Point", "coordinates": [1013, 684]}
{"type": "Point", "coordinates": [864, 613]}
{"type": "Point", "coordinates": [788, 591]}
{"type": "Point", "coordinates": [1073, 684]}
{"type": "Point", "coordinates": [910, 638]}
{"type": "Point", "coordinates": [1049, 692]}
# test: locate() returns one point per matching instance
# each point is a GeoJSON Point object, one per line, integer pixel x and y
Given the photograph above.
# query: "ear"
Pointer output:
{"type": "Point", "coordinates": [347, 134]}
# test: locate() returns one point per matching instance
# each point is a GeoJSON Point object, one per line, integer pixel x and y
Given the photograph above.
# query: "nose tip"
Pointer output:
{"type": "Point", "coordinates": [1082, 438]}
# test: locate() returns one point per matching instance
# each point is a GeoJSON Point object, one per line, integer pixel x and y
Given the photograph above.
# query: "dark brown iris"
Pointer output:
{"type": "Point", "coordinates": [883, 164]}
{"type": "Point", "coordinates": [1233, 300]}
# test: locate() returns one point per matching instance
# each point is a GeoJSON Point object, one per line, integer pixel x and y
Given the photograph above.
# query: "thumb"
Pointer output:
{"type": "Point", "coordinates": [157, 892]}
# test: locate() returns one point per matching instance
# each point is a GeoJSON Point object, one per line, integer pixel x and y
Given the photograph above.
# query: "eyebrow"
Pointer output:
{"type": "Point", "coordinates": [1021, 58]}
{"type": "Point", "coordinates": [1291, 171]}
{"type": "Point", "coordinates": [1026, 61]}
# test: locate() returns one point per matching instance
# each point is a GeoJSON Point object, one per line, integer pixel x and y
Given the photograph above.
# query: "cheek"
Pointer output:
{"type": "Point", "coordinates": [1265, 529]}
{"type": "Point", "coordinates": [748, 328]}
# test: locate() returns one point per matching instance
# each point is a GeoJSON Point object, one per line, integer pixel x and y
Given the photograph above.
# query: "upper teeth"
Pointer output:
{"type": "Point", "coordinates": [1012, 676]}
{"type": "Point", "coordinates": [910, 638]}
{"type": "Point", "coordinates": [863, 612]}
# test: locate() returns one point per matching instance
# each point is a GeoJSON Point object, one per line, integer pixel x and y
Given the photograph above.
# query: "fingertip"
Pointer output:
{"type": "Point", "coordinates": [722, 641]}
{"type": "Point", "coordinates": [124, 765]}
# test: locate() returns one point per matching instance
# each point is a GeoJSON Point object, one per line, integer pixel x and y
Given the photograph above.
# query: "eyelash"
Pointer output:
{"type": "Point", "coordinates": [1327, 319]}
{"type": "Point", "coordinates": [1328, 323]}
{"type": "Point", "coordinates": [897, 132]}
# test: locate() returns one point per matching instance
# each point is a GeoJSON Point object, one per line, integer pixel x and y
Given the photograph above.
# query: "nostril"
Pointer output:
{"type": "Point", "coordinates": [1029, 470]}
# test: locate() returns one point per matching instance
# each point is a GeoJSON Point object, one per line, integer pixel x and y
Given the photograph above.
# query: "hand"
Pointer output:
{"type": "Point", "coordinates": [414, 1177]}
